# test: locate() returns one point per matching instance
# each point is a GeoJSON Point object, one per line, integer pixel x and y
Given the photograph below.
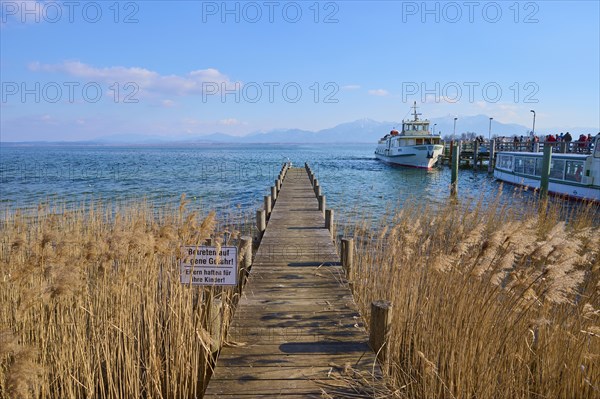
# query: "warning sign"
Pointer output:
{"type": "Point", "coordinates": [207, 266]}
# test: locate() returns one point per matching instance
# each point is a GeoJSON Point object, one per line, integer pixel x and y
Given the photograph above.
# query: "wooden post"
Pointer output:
{"type": "Point", "coordinates": [322, 203]}
{"type": "Point", "coordinates": [455, 160]}
{"type": "Point", "coordinates": [563, 147]}
{"type": "Point", "coordinates": [329, 221]}
{"type": "Point", "coordinates": [261, 221]}
{"type": "Point", "coordinates": [215, 323]}
{"type": "Point", "coordinates": [347, 256]}
{"type": "Point", "coordinates": [278, 185]}
{"type": "Point", "coordinates": [274, 193]}
{"type": "Point", "coordinates": [475, 154]}
{"type": "Point", "coordinates": [267, 204]}
{"type": "Point", "coordinates": [315, 183]}
{"type": "Point", "coordinates": [379, 330]}
{"type": "Point", "coordinates": [546, 162]}
{"type": "Point", "coordinates": [246, 252]}
{"type": "Point", "coordinates": [491, 161]}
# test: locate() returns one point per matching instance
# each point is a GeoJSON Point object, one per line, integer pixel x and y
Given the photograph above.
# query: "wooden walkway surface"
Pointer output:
{"type": "Point", "coordinates": [296, 332]}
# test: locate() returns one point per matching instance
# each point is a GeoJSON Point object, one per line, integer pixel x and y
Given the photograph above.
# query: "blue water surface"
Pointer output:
{"type": "Point", "coordinates": [226, 177]}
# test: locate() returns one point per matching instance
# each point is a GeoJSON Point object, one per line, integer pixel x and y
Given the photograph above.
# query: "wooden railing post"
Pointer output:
{"type": "Point", "coordinates": [267, 205]}
{"type": "Point", "coordinates": [329, 221]}
{"type": "Point", "coordinates": [246, 257]}
{"type": "Point", "coordinates": [379, 331]}
{"type": "Point", "coordinates": [454, 174]}
{"type": "Point", "coordinates": [261, 222]}
{"type": "Point", "coordinates": [545, 175]}
{"type": "Point", "coordinates": [347, 255]}
{"type": "Point", "coordinates": [215, 324]}
{"type": "Point", "coordinates": [492, 155]}
{"type": "Point", "coordinates": [274, 193]}
{"type": "Point", "coordinates": [322, 203]}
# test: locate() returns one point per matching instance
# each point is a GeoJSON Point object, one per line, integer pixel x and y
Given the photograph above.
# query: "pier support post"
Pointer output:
{"type": "Point", "coordinates": [329, 221]}
{"type": "Point", "coordinates": [491, 160]}
{"type": "Point", "coordinates": [267, 204]}
{"type": "Point", "coordinates": [315, 183]}
{"type": "Point", "coordinates": [475, 154]}
{"type": "Point", "coordinates": [545, 177]}
{"type": "Point", "coordinates": [347, 255]}
{"type": "Point", "coordinates": [455, 160]}
{"type": "Point", "coordinates": [278, 185]}
{"type": "Point", "coordinates": [563, 147]}
{"type": "Point", "coordinates": [322, 203]}
{"type": "Point", "coordinates": [215, 324]}
{"type": "Point", "coordinates": [246, 252]}
{"type": "Point", "coordinates": [261, 222]}
{"type": "Point", "coordinates": [274, 193]}
{"type": "Point", "coordinates": [379, 331]}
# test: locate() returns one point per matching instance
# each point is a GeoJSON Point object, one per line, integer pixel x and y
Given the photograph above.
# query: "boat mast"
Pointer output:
{"type": "Point", "coordinates": [415, 114]}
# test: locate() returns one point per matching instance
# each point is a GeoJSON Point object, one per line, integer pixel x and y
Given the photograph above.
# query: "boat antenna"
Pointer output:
{"type": "Point", "coordinates": [415, 114]}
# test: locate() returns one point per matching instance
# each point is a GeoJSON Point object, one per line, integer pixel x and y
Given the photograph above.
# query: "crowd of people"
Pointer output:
{"type": "Point", "coordinates": [584, 142]}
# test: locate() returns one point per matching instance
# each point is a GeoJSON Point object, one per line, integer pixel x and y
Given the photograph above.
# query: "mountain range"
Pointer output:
{"type": "Point", "coordinates": [360, 131]}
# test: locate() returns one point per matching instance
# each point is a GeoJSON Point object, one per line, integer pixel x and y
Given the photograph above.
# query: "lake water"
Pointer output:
{"type": "Point", "coordinates": [225, 177]}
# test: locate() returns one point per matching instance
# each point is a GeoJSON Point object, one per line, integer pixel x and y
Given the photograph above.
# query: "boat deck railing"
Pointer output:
{"type": "Point", "coordinates": [562, 147]}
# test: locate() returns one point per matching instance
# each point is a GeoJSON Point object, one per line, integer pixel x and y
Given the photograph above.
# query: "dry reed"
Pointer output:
{"type": "Point", "coordinates": [487, 302]}
{"type": "Point", "coordinates": [91, 304]}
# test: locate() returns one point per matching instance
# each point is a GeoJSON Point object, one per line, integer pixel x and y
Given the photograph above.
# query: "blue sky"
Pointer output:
{"type": "Point", "coordinates": [81, 70]}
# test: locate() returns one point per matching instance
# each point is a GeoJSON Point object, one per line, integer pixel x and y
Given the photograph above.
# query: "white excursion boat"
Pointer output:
{"type": "Point", "coordinates": [571, 175]}
{"type": "Point", "coordinates": [414, 146]}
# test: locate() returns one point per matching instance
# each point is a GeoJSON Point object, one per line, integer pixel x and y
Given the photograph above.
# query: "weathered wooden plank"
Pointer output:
{"type": "Point", "coordinates": [296, 331]}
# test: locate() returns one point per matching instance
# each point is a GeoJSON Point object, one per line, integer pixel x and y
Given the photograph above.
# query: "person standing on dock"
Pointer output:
{"type": "Point", "coordinates": [568, 140]}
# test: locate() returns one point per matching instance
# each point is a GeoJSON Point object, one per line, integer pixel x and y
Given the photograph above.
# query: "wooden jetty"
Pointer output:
{"type": "Point", "coordinates": [296, 332]}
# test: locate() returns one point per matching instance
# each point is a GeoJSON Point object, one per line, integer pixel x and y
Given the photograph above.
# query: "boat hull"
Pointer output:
{"type": "Point", "coordinates": [576, 191]}
{"type": "Point", "coordinates": [424, 156]}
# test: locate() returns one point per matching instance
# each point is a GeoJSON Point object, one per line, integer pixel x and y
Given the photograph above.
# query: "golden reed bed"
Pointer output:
{"type": "Point", "coordinates": [487, 303]}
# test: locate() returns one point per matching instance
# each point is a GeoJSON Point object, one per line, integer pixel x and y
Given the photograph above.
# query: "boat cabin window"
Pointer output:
{"type": "Point", "coordinates": [529, 166]}
{"type": "Point", "coordinates": [538, 166]}
{"type": "Point", "coordinates": [557, 169]}
{"type": "Point", "coordinates": [574, 171]}
{"type": "Point", "coordinates": [519, 165]}
{"type": "Point", "coordinates": [505, 161]}
{"type": "Point", "coordinates": [525, 165]}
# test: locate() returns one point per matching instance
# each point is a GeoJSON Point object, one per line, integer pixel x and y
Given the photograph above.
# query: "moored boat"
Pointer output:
{"type": "Point", "coordinates": [571, 175]}
{"type": "Point", "coordinates": [413, 146]}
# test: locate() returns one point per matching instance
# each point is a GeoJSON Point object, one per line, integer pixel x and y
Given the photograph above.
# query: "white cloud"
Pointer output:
{"type": "Point", "coordinates": [168, 103]}
{"type": "Point", "coordinates": [148, 81]}
{"type": "Point", "coordinates": [379, 92]}
{"type": "Point", "coordinates": [350, 87]}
